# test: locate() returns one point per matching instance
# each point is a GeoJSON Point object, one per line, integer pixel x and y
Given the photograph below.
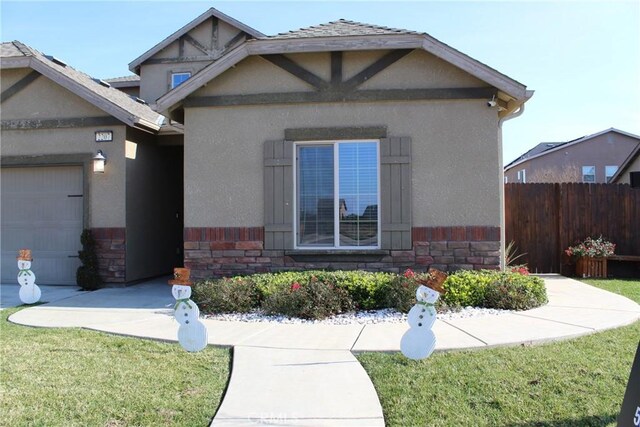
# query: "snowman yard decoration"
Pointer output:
{"type": "Point", "coordinates": [29, 291]}
{"type": "Point", "coordinates": [419, 341]}
{"type": "Point", "coordinates": [192, 333]}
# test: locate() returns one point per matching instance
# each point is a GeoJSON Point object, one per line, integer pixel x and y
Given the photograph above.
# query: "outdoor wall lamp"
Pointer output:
{"type": "Point", "coordinates": [99, 160]}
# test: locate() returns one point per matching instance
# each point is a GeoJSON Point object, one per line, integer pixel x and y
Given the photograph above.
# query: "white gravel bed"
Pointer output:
{"type": "Point", "coordinates": [361, 317]}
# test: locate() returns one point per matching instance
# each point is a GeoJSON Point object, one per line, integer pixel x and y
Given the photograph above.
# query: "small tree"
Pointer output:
{"type": "Point", "coordinates": [87, 275]}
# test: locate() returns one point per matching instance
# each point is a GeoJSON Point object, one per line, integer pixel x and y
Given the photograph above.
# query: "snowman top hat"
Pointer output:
{"type": "Point", "coordinates": [435, 280]}
{"type": "Point", "coordinates": [24, 255]}
{"type": "Point", "coordinates": [181, 277]}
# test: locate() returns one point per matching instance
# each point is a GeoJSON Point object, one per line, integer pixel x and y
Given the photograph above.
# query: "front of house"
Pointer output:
{"type": "Point", "coordinates": [343, 145]}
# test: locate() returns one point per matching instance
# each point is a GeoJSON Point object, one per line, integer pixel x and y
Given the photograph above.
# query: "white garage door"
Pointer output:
{"type": "Point", "coordinates": [42, 210]}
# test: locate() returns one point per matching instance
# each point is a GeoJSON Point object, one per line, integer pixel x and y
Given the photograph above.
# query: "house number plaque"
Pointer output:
{"type": "Point", "coordinates": [104, 136]}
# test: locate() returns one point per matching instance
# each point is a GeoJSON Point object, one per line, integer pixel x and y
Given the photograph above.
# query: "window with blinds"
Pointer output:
{"type": "Point", "coordinates": [337, 195]}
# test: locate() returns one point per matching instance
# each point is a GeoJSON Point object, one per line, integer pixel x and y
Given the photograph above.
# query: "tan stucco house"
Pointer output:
{"type": "Point", "coordinates": [343, 145]}
{"type": "Point", "coordinates": [595, 158]}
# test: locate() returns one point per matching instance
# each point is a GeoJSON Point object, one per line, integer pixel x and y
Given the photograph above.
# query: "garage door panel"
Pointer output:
{"type": "Point", "coordinates": [38, 214]}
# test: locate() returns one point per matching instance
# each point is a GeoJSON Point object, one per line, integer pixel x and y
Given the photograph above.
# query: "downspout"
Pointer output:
{"type": "Point", "coordinates": [503, 236]}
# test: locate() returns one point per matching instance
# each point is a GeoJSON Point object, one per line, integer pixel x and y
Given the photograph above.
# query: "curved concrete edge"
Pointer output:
{"type": "Point", "coordinates": [574, 309]}
{"type": "Point", "coordinates": [298, 387]}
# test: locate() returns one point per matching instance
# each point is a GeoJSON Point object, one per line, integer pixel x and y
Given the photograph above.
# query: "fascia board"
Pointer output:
{"type": "Point", "coordinates": [9, 62]}
{"type": "Point", "coordinates": [329, 44]}
{"type": "Point", "coordinates": [475, 68]}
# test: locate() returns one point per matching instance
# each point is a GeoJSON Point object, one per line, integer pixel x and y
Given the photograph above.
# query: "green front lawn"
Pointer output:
{"type": "Point", "coordinates": [579, 382]}
{"type": "Point", "coordinates": [74, 377]}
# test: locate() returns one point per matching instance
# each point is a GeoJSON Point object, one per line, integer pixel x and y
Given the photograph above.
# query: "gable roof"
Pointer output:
{"type": "Point", "coordinates": [212, 12]}
{"type": "Point", "coordinates": [344, 35]}
{"type": "Point", "coordinates": [627, 162]}
{"type": "Point", "coordinates": [99, 93]}
{"type": "Point", "coordinates": [555, 146]}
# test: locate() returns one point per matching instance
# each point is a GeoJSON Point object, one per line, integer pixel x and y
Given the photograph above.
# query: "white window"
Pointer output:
{"type": "Point", "coordinates": [178, 78]}
{"type": "Point", "coordinates": [609, 171]}
{"type": "Point", "coordinates": [337, 195]}
{"type": "Point", "coordinates": [522, 175]}
{"type": "Point", "coordinates": [506, 179]}
{"type": "Point", "coordinates": [588, 174]}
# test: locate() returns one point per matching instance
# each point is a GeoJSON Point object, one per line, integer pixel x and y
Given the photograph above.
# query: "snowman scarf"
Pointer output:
{"type": "Point", "coordinates": [182, 301]}
{"type": "Point", "coordinates": [25, 272]}
{"type": "Point", "coordinates": [430, 306]}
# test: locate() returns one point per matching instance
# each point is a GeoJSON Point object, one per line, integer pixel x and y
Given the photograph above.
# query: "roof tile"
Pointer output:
{"type": "Point", "coordinates": [342, 27]}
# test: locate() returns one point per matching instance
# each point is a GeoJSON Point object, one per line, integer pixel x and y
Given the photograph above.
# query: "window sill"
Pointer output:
{"type": "Point", "coordinates": [336, 255]}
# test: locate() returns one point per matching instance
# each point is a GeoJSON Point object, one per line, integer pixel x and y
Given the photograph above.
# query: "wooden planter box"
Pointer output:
{"type": "Point", "coordinates": [591, 267]}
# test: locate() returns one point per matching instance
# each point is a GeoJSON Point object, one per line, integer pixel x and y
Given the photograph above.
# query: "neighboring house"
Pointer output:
{"type": "Point", "coordinates": [629, 171]}
{"type": "Point", "coordinates": [343, 145]}
{"type": "Point", "coordinates": [593, 158]}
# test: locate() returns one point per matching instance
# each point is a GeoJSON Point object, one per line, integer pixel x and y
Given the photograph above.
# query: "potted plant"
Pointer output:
{"type": "Point", "coordinates": [591, 256]}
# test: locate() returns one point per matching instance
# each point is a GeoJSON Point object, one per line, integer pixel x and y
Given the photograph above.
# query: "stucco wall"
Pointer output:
{"type": "Point", "coordinates": [456, 169]}
{"type": "Point", "coordinates": [456, 158]}
{"type": "Point", "coordinates": [609, 149]}
{"type": "Point", "coordinates": [418, 69]}
{"type": "Point", "coordinates": [44, 99]}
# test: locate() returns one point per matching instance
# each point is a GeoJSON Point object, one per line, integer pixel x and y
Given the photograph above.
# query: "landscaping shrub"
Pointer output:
{"type": "Point", "coordinates": [319, 294]}
{"type": "Point", "coordinates": [514, 291]}
{"type": "Point", "coordinates": [226, 295]}
{"type": "Point", "coordinates": [87, 276]}
{"type": "Point", "coordinates": [314, 299]}
{"type": "Point", "coordinates": [364, 288]}
{"type": "Point", "coordinates": [466, 288]}
{"type": "Point", "coordinates": [399, 293]}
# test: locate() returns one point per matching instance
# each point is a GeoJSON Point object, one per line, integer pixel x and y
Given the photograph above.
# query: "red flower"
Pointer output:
{"type": "Point", "coordinates": [409, 274]}
{"type": "Point", "coordinates": [295, 286]}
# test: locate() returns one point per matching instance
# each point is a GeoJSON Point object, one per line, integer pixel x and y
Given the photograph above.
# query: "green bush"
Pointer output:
{"type": "Point", "coordinates": [226, 295]}
{"type": "Point", "coordinates": [319, 294]}
{"type": "Point", "coordinates": [314, 299]}
{"type": "Point", "coordinates": [514, 291]}
{"type": "Point", "coordinates": [87, 275]}
{"type": "Point", "coordinates": [363, 287]}
{"type": "Point", "coordinates": [466, 288]}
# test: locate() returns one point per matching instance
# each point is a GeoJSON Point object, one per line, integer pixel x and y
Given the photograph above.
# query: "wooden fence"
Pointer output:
{"type": "Point", "coordinates": [544, 219]}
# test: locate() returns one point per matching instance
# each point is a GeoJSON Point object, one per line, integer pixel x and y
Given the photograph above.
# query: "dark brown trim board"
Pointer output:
{"type": "Point", "coordinates": [19, 85]}
{"type": "Point", "coordinates": [334, 96]}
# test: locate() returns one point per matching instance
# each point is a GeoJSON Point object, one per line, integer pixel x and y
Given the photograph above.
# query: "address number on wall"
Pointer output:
{"type": "Point", "coordinates": [104, 136]}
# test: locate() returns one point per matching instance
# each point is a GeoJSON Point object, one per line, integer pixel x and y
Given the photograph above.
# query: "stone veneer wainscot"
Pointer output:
{"type": "Point", "coordinates": [228, 251]}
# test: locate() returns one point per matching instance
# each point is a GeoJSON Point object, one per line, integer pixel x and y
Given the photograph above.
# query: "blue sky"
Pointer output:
{"type": "Point", "coordinates": [581, 58]}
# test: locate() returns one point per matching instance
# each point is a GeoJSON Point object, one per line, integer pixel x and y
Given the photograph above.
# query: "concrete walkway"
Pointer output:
{"type": "Point", "coordinates": [305, 374]}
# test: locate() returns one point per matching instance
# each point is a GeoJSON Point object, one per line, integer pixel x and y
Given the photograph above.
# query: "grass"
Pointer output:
{"type": "Point", "coordinates": [74, 377]}
{"type": "Point", "coordinates": [580, 382]}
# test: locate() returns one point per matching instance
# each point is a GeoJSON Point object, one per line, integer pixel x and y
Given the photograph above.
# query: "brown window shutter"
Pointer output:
{"type": "Point", "coordinates": [278, 195]}
{"type": "Point", "coordinates": [395, 192]}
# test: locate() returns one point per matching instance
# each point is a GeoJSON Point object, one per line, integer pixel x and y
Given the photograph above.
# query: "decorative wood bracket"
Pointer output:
{"type": "Point", "coordinates": [336, 83]}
